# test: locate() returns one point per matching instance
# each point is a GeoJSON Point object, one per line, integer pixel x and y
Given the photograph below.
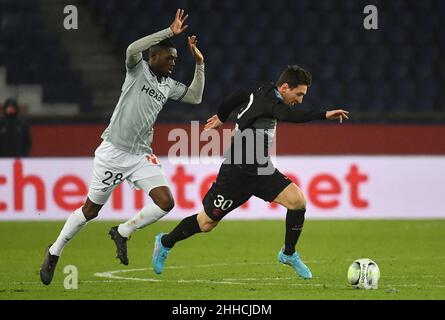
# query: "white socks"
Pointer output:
{"type": "Point", "coordinates": [72, 226]}
{"type": "Point", "coordinates": [75, 222]}
{"type": "Point", "coordinates": [146, 216]}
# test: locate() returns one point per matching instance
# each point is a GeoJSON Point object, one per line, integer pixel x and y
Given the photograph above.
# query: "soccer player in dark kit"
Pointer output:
{"type": "Point", "coordinates": [247, 170]}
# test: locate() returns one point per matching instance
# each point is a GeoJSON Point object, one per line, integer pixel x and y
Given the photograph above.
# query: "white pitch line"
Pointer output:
{"type": "Point", "coordinates": [114, 278]}
{"type": "Point", "coordinates": [415, 277]}
{"type": "Point", "coordinates": [239, 281]}
{"type": "Point", "coordinates": [112, 275]}
{"type": "Point", "coordinates": [383, 287]}
{"type": "Point", "coordinates": [229, 281]}
{"type": "Point", "coordinates": [259, 279]}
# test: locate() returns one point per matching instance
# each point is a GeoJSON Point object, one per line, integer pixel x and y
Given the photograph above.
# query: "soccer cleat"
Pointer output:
{"type": "Point", "coordinates": [48, 267]}
{"type": "Point", "coordinates": [160, 253]}
{"type": "Point", "coordinates": [121, 245]}
{"type": "Point", "coordinates": [295, 262]}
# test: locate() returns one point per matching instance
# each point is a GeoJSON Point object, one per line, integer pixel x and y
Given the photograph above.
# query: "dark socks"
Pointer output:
{"type": "Point", "coordinates": [186, 228]}
{"type": "Point", "coordinates": [294, 225]}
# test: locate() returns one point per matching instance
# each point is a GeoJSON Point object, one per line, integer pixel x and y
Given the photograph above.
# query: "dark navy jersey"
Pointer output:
{"type": "Point", "coordinates": [258, 111]}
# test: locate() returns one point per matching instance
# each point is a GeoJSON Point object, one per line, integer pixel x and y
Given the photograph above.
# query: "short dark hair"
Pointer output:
{"type": "Point", "coordinates": [164, 44]}
{"type": "Point", "coordinates": [294, 76]}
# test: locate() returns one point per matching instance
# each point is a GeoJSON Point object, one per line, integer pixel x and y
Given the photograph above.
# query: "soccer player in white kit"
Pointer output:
{"type": "Point", "coordinates": [125, 152]}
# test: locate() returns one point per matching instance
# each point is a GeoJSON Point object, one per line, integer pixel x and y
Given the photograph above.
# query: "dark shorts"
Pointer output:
{"type": "Point", "coordinates": [234, 186]}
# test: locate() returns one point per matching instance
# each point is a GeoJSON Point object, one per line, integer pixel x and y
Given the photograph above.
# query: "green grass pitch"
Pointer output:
{"type": "Point", "coordinates": [235, 261]}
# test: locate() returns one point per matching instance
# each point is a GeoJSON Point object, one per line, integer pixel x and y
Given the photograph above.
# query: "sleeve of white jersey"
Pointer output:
{"type": "Point", "coordinates": [135, 69]}
{"type": "Point", "coordinates": [177, 90]}
{"type": "Point", "coordinates": [134, 50]}
{"type": "Point", "coordinates": [196, 88]}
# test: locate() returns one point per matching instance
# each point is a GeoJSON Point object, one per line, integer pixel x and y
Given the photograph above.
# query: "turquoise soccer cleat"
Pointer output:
{"type": "Point", "coordinates": [295, 262]}
{"type": "Point", "coordinates": [160, 253]}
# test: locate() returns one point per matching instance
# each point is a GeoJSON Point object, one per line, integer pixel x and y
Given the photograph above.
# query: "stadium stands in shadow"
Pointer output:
{"type": "Point", "coordinates": [391, 74]}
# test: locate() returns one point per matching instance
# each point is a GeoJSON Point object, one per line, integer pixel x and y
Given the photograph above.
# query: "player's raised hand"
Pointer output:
{"type": "Point", "coordinates": [199, 58]}
{"type": "Point", "coordinates": [213, 123]}
{"type": "Point", "coordinates": [338, 114]}
{"type": "Point", "coordinates": [177, 25]}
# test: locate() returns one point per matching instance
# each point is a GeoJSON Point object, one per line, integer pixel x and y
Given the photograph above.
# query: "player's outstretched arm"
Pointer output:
{"type": "Point", "coordinates": [196, 88]}
{"type": "Point", "coordinates": [338, 114]}
{"type": "Point", "coordinates": [134, 50]}
{"type": "Point", "coordinates": [299, 114]}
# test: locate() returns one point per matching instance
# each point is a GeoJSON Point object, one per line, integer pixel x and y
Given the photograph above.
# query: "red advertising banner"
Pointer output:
{"type": "Point", "coordinates": [336, 187]}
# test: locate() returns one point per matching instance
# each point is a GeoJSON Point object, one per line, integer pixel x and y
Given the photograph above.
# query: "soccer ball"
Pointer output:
{"type": "Point", "coordinates": [364, 274]}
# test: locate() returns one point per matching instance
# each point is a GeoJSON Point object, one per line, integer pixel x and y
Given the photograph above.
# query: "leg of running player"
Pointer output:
{"type": "Point", "coordinates": [99, 191]}
{"type": "Point", "coordinates": [293, 199]}
{"type": "Point", "coordinates": [75, 222]}
{"type": "Point", "coordinates": [223, 197]}
{"type": "Point", "coordinates": [156, 188]}
{"type": "Point", "coordinates": [163, 204]}
{"type": "Point", "coordinates": [189, 226]}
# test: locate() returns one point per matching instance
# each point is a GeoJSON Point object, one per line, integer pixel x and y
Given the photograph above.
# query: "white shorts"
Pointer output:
{"type": "Point", "coordinates": [112, 166]}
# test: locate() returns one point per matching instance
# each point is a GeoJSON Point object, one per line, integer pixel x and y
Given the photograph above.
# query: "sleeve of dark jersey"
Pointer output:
{"type": "Point", "coordinates": [296, 114]}
{"type": "Point", "coordinates": [231, 102]}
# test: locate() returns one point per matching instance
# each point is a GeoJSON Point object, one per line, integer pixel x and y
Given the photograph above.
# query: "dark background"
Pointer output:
{"type": "Point", "coordinates": [391, 76]}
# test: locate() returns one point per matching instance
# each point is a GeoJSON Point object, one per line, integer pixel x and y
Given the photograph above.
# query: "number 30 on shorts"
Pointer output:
{"type": "Point", "coordinates": [109, 178]}
{"type": "Point", "coordinates": [221, 203]}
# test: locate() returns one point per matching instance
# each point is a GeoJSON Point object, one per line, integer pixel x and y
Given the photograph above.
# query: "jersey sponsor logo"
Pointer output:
{"type": "Point", "coordinates": [155, 94]}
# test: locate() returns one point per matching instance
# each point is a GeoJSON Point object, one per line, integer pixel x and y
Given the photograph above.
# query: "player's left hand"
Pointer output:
{"type": "Point", "coordinates": [338, 114]}
{"type": "Point", "coordinates": [199, 58]}
{"type": "Point", "coordinates": [213, 123]}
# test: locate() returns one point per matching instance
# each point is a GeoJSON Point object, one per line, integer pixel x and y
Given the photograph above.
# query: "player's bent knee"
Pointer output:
{"type": "Point", "coordinates": [90, 209]}
{"type": "Point", "coordinates": [206, 224]}
{"type": "Point", "coordinates": [167, 205]}
{"type": "Point", "coordinates": [163, 199]}
{"type": "Point", "coordinates": [90, 212]}
{"type": "Point", "coordinates": [296, 205]}
{"type": "Point", "coordinates": [209, 226]}
{"type": "Point", "coordinates": [297, 201]}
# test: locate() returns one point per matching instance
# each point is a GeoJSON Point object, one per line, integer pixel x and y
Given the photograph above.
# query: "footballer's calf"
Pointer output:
{"type": "Point", "coordinates": [161, 196]}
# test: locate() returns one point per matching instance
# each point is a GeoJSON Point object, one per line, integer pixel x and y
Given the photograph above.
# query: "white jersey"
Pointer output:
{"type": "Point", "coordinates": [141, 100]}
